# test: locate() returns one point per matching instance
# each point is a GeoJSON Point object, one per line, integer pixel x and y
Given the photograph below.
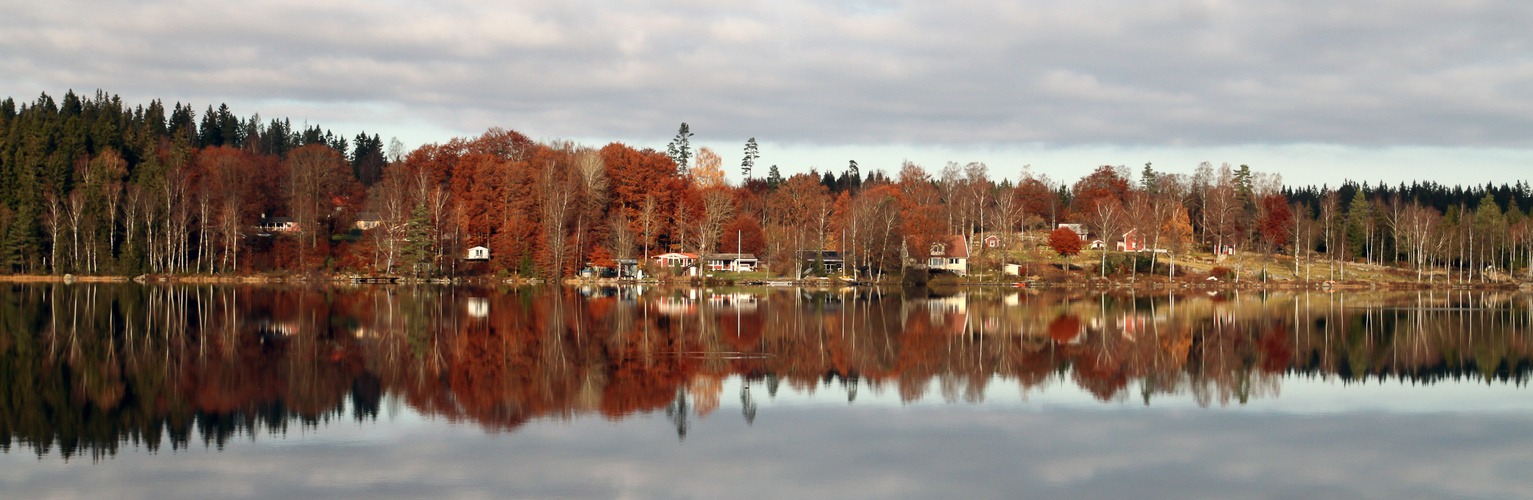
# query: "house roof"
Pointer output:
{"type": "Point", "coordinates": [368, 216]}
{"type": "Point", "coordinates": [829, 255]}
{"type": "Point", "coordinates": [732, 256]}
{"type": "Point", "coordinates": [676, 255]}
{"type": "Point", "coordinates": [950, 246]}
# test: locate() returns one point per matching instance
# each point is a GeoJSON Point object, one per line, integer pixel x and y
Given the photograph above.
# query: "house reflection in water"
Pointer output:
{"type": "Point", "coordinates": [478, 307]}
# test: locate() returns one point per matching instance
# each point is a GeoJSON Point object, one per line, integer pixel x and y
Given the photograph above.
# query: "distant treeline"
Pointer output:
{"type": "Point", "coordinates": [96, 186]}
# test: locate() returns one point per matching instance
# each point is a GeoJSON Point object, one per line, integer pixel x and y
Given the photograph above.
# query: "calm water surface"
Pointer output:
{"type": "Point", "coordinates": [128, 391]}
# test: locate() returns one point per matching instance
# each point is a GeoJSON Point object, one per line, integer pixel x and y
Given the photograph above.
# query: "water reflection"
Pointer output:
{"type": "Point", "coordinates": [89, 368]}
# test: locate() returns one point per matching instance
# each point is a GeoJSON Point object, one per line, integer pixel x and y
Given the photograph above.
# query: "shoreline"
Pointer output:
{"type": "Point", "coordinates": [1091, 283]}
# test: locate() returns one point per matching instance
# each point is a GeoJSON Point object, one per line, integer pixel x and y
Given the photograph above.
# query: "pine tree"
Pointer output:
{"type": "Point", "coordinates": [749, 162]}
{"type": "Point", "coordinates": [680, 148]}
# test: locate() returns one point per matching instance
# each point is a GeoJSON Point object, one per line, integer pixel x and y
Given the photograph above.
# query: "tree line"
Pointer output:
{"type": "Point", "coordinates": [93, 186]}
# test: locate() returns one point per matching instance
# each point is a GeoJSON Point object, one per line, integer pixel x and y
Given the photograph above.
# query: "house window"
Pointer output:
{"type": "Point", "coordinates": [936, 261]}
{"type": "Point", "coordinates": [952, 261]}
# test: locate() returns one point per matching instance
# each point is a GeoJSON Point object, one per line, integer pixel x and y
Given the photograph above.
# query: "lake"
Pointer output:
{"type": "Point", "coordinates": [135, 391]}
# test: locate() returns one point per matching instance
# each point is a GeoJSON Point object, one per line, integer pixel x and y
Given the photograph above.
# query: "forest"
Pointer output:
{"type": "Point", "coordinates": [90, 185]}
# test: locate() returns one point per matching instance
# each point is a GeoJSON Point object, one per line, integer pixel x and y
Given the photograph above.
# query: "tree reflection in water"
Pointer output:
{"type": "Point", "coordinates": [88, 368]}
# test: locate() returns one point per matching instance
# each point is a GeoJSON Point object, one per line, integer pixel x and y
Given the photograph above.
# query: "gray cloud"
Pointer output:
{"type": "Point", "coordinates": [1159, 73]}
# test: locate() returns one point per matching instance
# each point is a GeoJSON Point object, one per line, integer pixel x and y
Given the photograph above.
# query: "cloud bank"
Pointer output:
{"type": "Point", "coordinates": [1174, 72]}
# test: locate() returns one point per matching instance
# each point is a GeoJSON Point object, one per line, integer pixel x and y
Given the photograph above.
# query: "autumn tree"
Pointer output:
{"type": "Point", "coordinates": [1274, 224]}
{"type": "Point", "coordinates": [1065, 242]}
{"type": "Point", "coordinates": [743, 235]}
{"type": "Point", "coordinates": [1175, 234]}
{"type": "Point", "coordinates": [228, 182]}
{"type": "Point", "coordinates": [709, 171]}
{"type": "Point", "coordinates": [1036, 196]}
{"type": "Point", "coordinates": [318, 181]}
{"type": "Point", "coordinates": [1105, 183]}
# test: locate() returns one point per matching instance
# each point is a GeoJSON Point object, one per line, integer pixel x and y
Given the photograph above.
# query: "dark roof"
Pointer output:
{"type": "Point", "coordinates": [828, 255]}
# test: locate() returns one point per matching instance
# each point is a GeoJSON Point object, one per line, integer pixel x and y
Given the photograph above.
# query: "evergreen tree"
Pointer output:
{"type": "Point", "coordinates": [1243, 186]}
{"type": "Point", "coordinates": [680, 148]}
{"type": "Point", "coordinates": [367, 158]}
{"type": "Point", "coordinates": [774, 178]}
{"type": "Point", "coordinates": [751, 154]}
{"type": "Point", "coordinates": [1147, 179]}
{"type": "Point", "coordinates": [1359, 213]}
{"type": "Point", "coordinates": [419, 250]}
{"type": "Point", "coordinates": [852, 179]}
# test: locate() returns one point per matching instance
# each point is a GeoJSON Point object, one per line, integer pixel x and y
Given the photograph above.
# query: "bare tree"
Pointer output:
{"type": "Point", "coordinates": [718, 207]}
{"type": "Point", "coordinates": [559, 201]}
{"type": "Point", "coordinates": [75, 211]}
{"type": "Point", "coordinates": [53, 218]}
{"type": "Point", "coordinates": [130, 208]}
{"type": "Point", "coordinates": [1107, 215]}
{"type": "Point", "coordinates": [620, 235]}
{"type": "Point", "coordinates": [647, 216]}
{"type": "Point", "coordinates": [1329, 202]}
{"type": "Point", "coordinates": [593, 183]}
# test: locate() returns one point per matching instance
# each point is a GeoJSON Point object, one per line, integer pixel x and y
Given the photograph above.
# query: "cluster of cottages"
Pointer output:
{"type": "Point", "coordinates": [949, 253]}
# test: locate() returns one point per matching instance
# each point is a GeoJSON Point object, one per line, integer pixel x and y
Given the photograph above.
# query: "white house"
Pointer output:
{"type": "Point", "coordinates": [1080, 229]}
{"type": "Point", "coordinates": [943, 253]}
{"type": "Point", "coordinates": [277, 225]}
{"type": "Point", "coordinates": [368, 220]}
{"type": "Point", "coordinates": [478, 253]}
{"type": "Point", "coordinates": [733, 262]}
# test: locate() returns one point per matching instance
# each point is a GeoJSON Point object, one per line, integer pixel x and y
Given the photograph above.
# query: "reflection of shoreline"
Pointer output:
{"type": "Point", "coordinates": [151, 360]}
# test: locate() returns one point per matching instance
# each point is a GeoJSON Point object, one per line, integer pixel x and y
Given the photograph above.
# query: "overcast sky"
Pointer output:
{"type": "Point", "coordinates": [1315, 90]}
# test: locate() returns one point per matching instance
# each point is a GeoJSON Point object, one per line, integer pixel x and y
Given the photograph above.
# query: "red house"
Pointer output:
{"type": "Point", "coordinates": [1130, 242]}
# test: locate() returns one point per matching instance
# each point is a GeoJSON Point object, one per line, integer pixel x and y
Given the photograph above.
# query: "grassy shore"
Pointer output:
{"type": "Point", "coordinates": [1042, 269]}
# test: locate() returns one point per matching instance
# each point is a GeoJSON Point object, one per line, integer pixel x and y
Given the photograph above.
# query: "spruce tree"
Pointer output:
{"type": "Point", "coordinates": [1147, 179]}
{"type": "Point", "coordinates": [680, 148]}
{"type": "Point", "coordinates": [774, 178]}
